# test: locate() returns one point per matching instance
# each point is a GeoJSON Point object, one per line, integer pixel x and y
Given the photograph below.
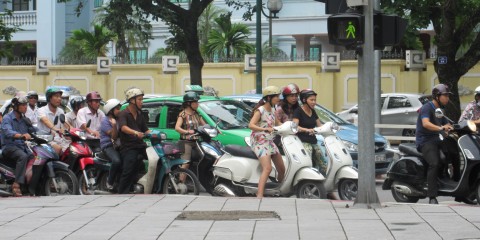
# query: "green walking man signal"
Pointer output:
{"type": "Point", "coordinates": [350, 30]}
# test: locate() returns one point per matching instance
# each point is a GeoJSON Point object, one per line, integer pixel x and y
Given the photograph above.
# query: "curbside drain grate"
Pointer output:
{"type": "Point", "coordinates": [228, 215]}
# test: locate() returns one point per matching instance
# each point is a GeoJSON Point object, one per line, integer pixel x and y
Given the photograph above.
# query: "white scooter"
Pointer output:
{"type": "Point", "coordinates": [238, 170]}
{"type": "Point", "coordinates": [340, 172]}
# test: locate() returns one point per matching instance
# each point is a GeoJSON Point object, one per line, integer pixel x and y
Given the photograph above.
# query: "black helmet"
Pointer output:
{"type": "Point", "coordinates": [76, 102]}
{"type": "Point", "coordinates": [305, 93]}
{"type": "Point", "coordinates": [440, 89]}
{"type": "Point", "coordinates": [19, 100]}
{"type": "Point", "coordinates": [31, 94]}
{"type": "Point", "coordinates": [191, 97]}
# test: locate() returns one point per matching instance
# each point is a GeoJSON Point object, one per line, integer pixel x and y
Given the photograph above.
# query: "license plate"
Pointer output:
{"type": "Point", "coordinates": [380, 158]}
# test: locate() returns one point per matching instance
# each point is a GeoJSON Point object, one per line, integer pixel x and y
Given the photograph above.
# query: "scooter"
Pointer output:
{"type": "Point", "coordinates": [162, 172]}
{"type": "Point", "coordinates": [340, 172]}
{"type": "Point", "coordinates": [44, 175]}
{"type": "Point", "coordinates": [238, 170]}
{"type": "Point", "coordinates": [407, 176]}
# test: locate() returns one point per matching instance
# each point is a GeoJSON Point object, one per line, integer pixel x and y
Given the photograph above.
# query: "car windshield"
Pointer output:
{"type": "Point", "coordinates": [326, 115]}
{"type": "Point", "coordinates": [229, 114]}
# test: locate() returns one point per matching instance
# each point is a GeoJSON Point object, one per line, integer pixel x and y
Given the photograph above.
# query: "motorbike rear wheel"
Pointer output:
{"type": "Point", "coordinates": [311, 189]}
{"type": "Point", "coordinates": [402, 198]}
{"type": "Point", "coordinates": [348, 189]}
{"type": "Point", "coordinates": [66, 181]}
{"type": "Point", "coordinates": [189, 186]}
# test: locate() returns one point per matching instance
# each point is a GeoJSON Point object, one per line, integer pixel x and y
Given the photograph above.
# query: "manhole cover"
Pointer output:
{"type": "Point", "coordinates": [227, 215]}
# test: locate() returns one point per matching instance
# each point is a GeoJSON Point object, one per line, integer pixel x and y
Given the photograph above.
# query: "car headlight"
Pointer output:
{"type": "Point", "coordinates": [351, 147]}
{"type": "Point", "coordinates": [387, 144]}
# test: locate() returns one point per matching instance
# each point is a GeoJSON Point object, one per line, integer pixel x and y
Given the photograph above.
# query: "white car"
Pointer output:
{"type": "Point", "coordinates": [396, 108]}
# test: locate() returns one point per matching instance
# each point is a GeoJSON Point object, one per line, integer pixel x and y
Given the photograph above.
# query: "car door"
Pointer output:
{"type": "Point", "coordinates": [398, 110]}
{"type": "Point", "coordinates": [168, 119]}
{"type": "Point", "coordinates": [152, 111]}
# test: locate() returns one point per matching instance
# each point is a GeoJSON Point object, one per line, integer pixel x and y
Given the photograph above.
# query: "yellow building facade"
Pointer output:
{"type": "Point", "coordinates": [336, 90]}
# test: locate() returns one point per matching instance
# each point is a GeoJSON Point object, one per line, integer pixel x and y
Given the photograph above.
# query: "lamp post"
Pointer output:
{"type": "Point", "coordinates": [274, 6]}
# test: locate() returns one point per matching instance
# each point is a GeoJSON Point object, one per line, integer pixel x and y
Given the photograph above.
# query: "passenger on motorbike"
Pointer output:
{"type": "Point", "coordinates": [32, 109]}
{"type": "Point", "coordinates": [262, 123]}
{"type": "Point", "coordinates": [46, 116]}
{"type": "Point", "coordinates": [109, 137]}
{"type": "Point", "coordinates": [14, 130]}
{"type": "Point", "coordinates": [133, 128]}
{"type": "Point", "coordinates": [65, 100]}
{"type": "Point", "coordinates": [472, 110]}
{"type": "Point", "coordinates": [188, 120]}
{"type": "Point", "coordinates": [429, 143]}
{"type": "Point", "coordinates": [286, 107]}
{"type": "Point", "coordinates": [76, 103]}
{"type": "Point", "coordinates": [95, 116]}
{"type": "Point", "coordinates": [307, 119]}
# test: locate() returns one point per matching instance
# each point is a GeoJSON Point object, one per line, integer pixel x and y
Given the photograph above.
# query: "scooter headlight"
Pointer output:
{"type": "Point", "coordinates": [351, 147]}
{"type": "Point", "coordinates": [81, 135]}
{"type": "Point", "coordinates": [212, 132]}
{"type": "Point", "coordinates": [294, 127]}
{"type": "Point", "coordinates": [210, 151]}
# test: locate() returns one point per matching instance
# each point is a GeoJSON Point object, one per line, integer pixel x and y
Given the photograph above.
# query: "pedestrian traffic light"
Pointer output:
{"type": "Point", "coordinates": [346, 29]}
{"type": "Point", "coordinates": [388, 30]}
{"type": "Point", "coordinates": [334, 6]}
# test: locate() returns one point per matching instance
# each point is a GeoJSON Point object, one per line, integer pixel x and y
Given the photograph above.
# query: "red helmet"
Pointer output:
{"type": "Point", "coordinates": [93, 96]}
{"type": "Point", "coordinates": [291, 88]}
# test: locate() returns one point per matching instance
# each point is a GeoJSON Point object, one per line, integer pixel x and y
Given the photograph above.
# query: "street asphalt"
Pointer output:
{"type": "Point", "coordinates": [205, 217]}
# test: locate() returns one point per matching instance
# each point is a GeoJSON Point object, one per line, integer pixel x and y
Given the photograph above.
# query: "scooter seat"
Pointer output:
{"type": "Point", "coordinates": [240, 151]}
{"type": "Point", "coordinates": [410, 149]}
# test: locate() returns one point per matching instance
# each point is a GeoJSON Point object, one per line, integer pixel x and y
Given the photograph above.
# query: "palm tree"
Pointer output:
{"type": "Point", "coordinates": [229, 40]}
{"type": "Point", "coordinates": [94, 44]}
{"type": "Point", "coordinates": [205, 23]}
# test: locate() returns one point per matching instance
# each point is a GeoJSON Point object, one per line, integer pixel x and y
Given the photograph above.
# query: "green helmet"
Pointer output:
{"type": "Point", "coordinates": [191, 97]}
{"type": "Point", "coordinates": [51, 91]}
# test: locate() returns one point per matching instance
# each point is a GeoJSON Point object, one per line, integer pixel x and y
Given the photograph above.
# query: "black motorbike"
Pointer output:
{"type": "Point", "coordinates": [407, 176]}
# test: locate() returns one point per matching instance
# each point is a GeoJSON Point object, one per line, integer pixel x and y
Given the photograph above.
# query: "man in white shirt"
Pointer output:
{"type": "Point", "coordinates": [91, 113]}
{"type": "Point", "coordinates": [46, 118]}
{"type": "Point", "coordinates": [32, 109]}
{"type": "Point", "coordinates": [76, 103]}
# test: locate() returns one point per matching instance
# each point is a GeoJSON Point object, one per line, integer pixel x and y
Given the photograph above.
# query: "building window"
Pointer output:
{"type": "Point", "coordinates": [314, 54]}
{"type": "Point", "coordinates": [138, 55]}
{"type": "Point", "coordinates": [20, 5]}
{"type": "Point", "coordinates": [98, 3]}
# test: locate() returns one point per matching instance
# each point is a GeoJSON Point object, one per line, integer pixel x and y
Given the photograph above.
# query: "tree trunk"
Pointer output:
{"type": "Point", "coordinates": [192, 49]}
{"type": "Point", "coordinates": [448, 75]}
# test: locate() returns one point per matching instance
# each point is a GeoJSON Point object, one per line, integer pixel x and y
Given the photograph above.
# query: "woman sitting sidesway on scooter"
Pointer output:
{"type": "Point", "coordinates": [261, 124]}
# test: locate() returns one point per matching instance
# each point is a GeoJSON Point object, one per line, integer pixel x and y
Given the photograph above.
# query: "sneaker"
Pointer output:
{"type": "Point", "coordinates": [109, 187]}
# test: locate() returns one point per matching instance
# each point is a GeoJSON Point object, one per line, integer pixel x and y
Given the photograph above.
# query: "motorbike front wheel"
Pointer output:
{"type": "Point", "coordinates": [83, 185]}
{"type": "Point", "coordinates": [311, 189]}
{"type": "Point", "coordinates": [181, 181]}
{"type": "Point", "coordinates": [67, 183]}
{"type": "Point", "coordinates": [348, 189]}
{"type": "Point", "coordinates": [402, 198]}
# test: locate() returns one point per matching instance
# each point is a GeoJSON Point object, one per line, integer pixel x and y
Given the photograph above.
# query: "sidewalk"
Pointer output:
{"type": "Point", "coordinates": [155, 217]}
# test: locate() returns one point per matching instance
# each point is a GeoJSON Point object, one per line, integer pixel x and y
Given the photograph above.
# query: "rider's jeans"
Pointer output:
{"type": "Point", "coordinates": [116, 165]}
{"type": "Point", "coordinates": [431, 154]}
{"type": "Point", "coordinates": [22, 157]}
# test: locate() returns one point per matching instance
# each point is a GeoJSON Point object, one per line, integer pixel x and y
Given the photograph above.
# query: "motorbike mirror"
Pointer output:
{"type": "Point", "coordinates": [27, 121]}
{"type": "Point", "coordinates": [439, 113]}
{"type": "Point", "coordinates": [62, 118]}
{"type": "Point", "coordinates": [55, 121]}
{"type": "Point", "coordinates": [89, 122]}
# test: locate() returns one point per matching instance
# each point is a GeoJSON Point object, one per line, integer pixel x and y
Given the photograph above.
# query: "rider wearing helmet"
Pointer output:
{"type": "Point", "coordinates": [288, 104]}
{"type": "Point", "coordinates": [109, 137]}
{"type": "Point", "coordinates": [472, 110]}
{"type": "Point", "coordinates": [307, 119]}
{"type": "Point", "coordinates": [429, 143]}
{"type": "Point", "coordinates": [262, 122]}
{"type": "Point", "coordinates": [187, 121]}
{"type": "Point", "coordinates": [133, 127]}
{"type": "Point", "coordinates": [32, 109]}
{"type": "Point", "coordinates": [46, 117]}
{"type": "Point", "coordinates": [76, 103]}
{"type": "Point", "coordinates": [91, 113]}
{"type": "Point", "coordinates": [65, 100]}
{"type": "Point", "coordinates": [15, 129]}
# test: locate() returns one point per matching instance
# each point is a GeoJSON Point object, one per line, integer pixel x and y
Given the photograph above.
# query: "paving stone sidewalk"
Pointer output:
{"type": "Point", "coordinates": [157, 217]}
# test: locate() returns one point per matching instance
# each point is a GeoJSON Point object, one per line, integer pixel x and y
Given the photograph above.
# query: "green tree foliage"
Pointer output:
{"type": "Point", "coordinates": [228, 40]}
{"type": "Point", "coordinates": [206, 22]}
{"type": "Point", "coordinates": [6, 33]}
{"type": "Point", "coordinates": [455, 23]}
{"type": "Point", "coordinates": [93, 44]}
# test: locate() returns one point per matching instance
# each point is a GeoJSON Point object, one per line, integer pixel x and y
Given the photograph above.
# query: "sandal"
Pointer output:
{"type": "Point", "coordinates": [17, 192]}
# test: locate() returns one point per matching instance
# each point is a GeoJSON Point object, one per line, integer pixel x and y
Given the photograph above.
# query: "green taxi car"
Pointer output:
{"type": "Point", "coordinates": [232, 116]}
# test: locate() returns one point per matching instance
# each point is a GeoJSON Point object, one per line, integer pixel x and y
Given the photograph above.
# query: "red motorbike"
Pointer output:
{"type": "Point", "coordinates": [79, 156]}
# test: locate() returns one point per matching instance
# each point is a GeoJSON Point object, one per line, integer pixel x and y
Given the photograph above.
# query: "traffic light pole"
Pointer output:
{"type": "Point", "coordinates": [367, 196]}
{"type": "Point", "coordinates": [377, 71]}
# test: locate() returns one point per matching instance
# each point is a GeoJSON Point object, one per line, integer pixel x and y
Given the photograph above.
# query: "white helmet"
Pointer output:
{"type": "Point", "coordinates": [477, 90]}
{"type": "Point", "coordinates": [133, 92]}
{"type": "Point", "coordinates": [111, 104]}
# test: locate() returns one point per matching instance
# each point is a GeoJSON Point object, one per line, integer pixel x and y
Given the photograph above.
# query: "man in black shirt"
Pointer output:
{"type": "Point", "coordinates": [429, 143]}
{"type": "Point", "coordinates": [133, 128]}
